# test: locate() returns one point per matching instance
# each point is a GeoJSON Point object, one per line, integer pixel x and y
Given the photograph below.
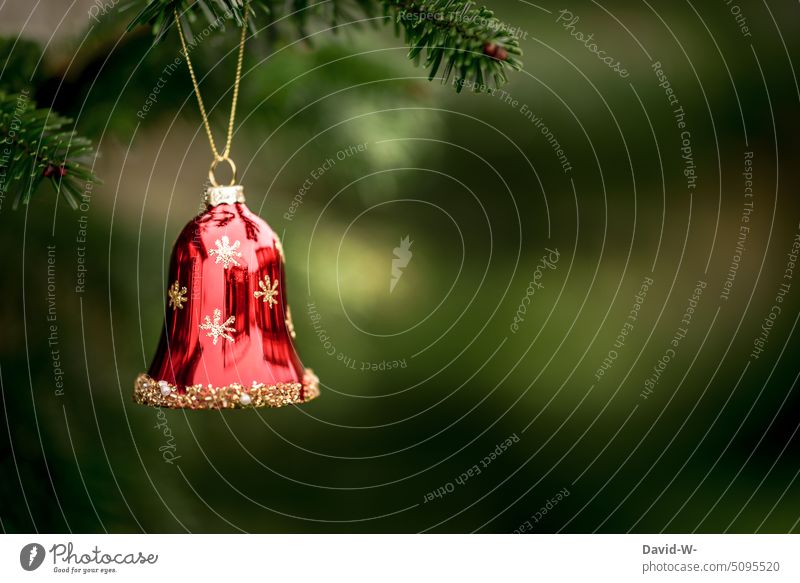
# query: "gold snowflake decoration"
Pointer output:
{"type": "Point", "coordinates": [269, 293]}
{"type": "Point", "coordinates": [177, 296]}
{"type": "Point", "coordinates": [217, 330]}
{"type": "Point", "coordinates": [289, 323]}
{"type": "Point", "coordinates": [226, 253]}
{"type": "Point", "coordinates": [279, 247]}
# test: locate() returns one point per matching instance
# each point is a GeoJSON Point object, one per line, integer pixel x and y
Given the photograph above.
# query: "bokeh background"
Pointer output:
{"type": "Point", "coordinates": [475, 182]}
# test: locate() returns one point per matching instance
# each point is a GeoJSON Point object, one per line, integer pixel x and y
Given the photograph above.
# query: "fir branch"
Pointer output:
{"type": "Point", "coordinates": [464, 38]}
{"type": "Point", "coordinates": [37, 145]}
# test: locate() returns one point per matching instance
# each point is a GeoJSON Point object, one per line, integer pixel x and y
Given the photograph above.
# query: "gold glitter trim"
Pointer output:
{"type": "Point", "coordinates": [153, 393]}
{"type": "Point", "coordinates": [177, 296]}
{"type": "Point", "coordinates": [268, 292]}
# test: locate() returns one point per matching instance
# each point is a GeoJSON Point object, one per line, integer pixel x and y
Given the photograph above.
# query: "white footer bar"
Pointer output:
{"type": "Point", "coordinates": [406, 558]}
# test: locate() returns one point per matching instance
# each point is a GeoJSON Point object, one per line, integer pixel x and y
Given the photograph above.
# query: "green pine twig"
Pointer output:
{"type": "Point", "coordinates": [38, 145]}
{"type": "Point", "coordinates": [454, 34]}
{"type": "Point", "coordinates": [459, 35]}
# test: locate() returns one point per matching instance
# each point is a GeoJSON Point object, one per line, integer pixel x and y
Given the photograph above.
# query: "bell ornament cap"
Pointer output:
{"type": "Point", "coordinates": [216, 195]}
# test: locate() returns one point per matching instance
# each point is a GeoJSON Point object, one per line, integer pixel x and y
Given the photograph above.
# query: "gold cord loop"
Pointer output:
{"type": "Point", "coordinates": [213, 179]}
{"type": "Point", "coordinates": [226, 153]}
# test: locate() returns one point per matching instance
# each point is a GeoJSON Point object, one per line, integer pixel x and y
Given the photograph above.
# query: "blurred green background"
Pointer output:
{"type": "Point", "coordinates": [477, 186]}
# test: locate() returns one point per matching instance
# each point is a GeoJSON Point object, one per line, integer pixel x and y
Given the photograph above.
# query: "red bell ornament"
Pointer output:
{"type": "Point", "coordinates": [227, 339]}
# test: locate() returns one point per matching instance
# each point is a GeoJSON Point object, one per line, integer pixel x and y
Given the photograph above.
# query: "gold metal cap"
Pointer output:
{"type": "Point", "coordinates": [216, 195]}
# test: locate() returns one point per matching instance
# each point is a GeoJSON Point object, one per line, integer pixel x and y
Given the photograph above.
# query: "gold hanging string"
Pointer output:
{"type": "Point", "coordinates": [225, 156]}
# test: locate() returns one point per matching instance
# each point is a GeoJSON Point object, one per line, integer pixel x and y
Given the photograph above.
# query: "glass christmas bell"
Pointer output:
{"type": "Point", "coordinates": [227, 339]}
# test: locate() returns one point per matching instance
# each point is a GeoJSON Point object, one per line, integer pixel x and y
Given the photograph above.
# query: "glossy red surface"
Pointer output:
{"type": "Point", "coordinates": [262, 350]}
